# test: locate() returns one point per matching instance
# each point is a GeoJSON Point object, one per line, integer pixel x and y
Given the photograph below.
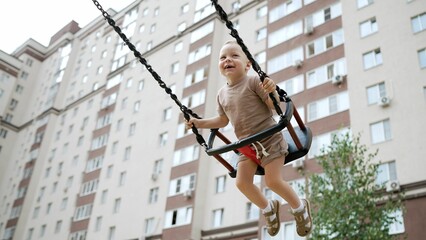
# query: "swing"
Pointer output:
{"type": "Point", "coordinates": [299, 139]}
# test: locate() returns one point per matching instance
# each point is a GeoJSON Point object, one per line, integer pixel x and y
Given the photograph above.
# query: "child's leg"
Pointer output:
{"type": "Point", "coordinates": [244, 182]}
{"type": "Point", "coordinates": [276, 183]}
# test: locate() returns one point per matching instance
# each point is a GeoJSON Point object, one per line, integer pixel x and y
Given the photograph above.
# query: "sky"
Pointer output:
{"type": "Point", "coordinates": [41, 19]}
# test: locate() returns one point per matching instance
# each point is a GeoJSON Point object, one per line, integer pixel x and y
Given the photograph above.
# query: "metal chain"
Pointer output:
{"type": "Point", "coordinates": [234, 33]}
{"type": "Point", "coordinates": [185, 110]}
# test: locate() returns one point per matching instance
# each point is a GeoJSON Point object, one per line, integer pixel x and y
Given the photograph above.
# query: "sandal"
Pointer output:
{"type": "Point", "coordinates": [303, 225]}
{"type": "Point", "coordinates": [273, 226]}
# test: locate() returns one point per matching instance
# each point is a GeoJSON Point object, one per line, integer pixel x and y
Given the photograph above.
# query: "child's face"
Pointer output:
{"type": "Point", "coordinates": [233, 63]}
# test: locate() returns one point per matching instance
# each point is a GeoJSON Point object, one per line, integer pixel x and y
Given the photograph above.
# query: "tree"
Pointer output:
{"type": "Point", "coordinates": [346, 201]}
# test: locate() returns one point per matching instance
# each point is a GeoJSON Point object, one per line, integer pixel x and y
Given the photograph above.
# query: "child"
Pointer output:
{"type": "Point", "coordinates": [245, 101]}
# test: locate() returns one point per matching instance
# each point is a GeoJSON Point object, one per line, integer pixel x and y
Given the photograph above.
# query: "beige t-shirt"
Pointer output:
{"type": "Point", "coordinates": [244, 105]}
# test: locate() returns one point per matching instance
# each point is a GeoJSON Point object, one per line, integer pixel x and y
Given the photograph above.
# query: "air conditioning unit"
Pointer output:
{"type": "Point", "coordinates": [336, 80]}
{"type": "Point", "coordinates": [384, 101]}
{"type": "Point", "coordinates": [298, 63]}
{"type": "Point", "coordinates": [187, 194]}
{"type": "Point", "coordinates": [298, 163]}
{"type": "Point", "coordinates": [309, 29]}
{"type": "Point", "coordinates": [392, 186]}
{"type": "Point", "coordinates": [154, 176]}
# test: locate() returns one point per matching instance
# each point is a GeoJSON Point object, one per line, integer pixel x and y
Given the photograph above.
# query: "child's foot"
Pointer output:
{"type": "Point", "coordinates": [273, 218]}
{"type": "Point", "coordinates": [303, 219]}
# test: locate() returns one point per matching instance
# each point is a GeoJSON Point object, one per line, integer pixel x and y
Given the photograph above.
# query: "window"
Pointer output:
{"type": "Point", "coordinates": [122, 179]}
{"type": "Point", "coordinates": [182, 184]}
{"type": "Point", "coordinates": [418, 23]}
{"type": "Point", "coordinates": [285, 60]}
{"type": "Point", "coordinates": [181, 27]}
{"type": "Point", "coordinates": [163, 139]}
{"type": "Point", "coordinates": [178, 217]}
{"type": "Point", "coordinates": [262, 11]}
{"type": "Point", "coordinates": [328, 106]}
{"type": "Point", "coordinates": [422, 58]}
{"type": "Point", "coordinates": [199, 53]}
{"type": "Point", "coordinates": [323, 44]}
{"type": "Point", "coordinates": [368, 27]}
{"type": "Point", "coordinates": [98, 224]}
{"type": "Point", "coordinates": [64, 203]}
{"type": "Point", "coordinates": [184, 8]}
{"type": "Point", "coordinates": [321, 142]}
{"type": "Point", "coordinates": [175, 67]}
{"type": "Point", "coordinates": [153, 195]}
{"type": "Point", "coordinates": [375, 93]}
{"type": "Point", "coordinates": [252, 211]}
{"type": "Point", "coordinates": [167, 114]}
{"type": "Point", "coordinates": [202, 10]}
{"type": "Point", "coordinates": [372, 59]}
{"type": "Point", "coordinates": [111, 233]}
{"type": "Point", "coordinates": [104, 196]}
{"type": "Point", "coordinates": [149, 226]}
{"type": "Point", "coordinates": [136, 106]}
{"type": "Point", "coordinates": [117, 204]}
{"type": "Point", "coordinates": [326, 73]}
{"type": "Point", "coordinates": [260, 57]}
{"type": "Point", "coordinates": [186, 154]}
{"type": "Point", "coordinates": [217, 218]}
{"type": "Point", "coordinates": [141, 85]}
{"type": "Point", "coordinates": [127, 153]}
{"type": "Point", "coordinates": [58, 226]}
{"type": "Point", "coordinates": [83, 212]}
{"type": "Point", "coordinates": [283, 34]}
{"type": "Point", "coordinates": [195, 99]}
{"type": "Point", "coordinates": [220, 184]}
{"type": "Point", "coordinates": [386, 172]}
{"type": "Point", "coordinates": [153, 27]}
{"type": "Point", "coordinates": [195, 77]}
{"type": "Point", "coordinates": [261, 34]}
{"type": "Point", "coordinates": [364, 3]}
{"type": "Point", "coordinates": [178, 47]}
{"type": "Point", "coordinates": [158, 166]}
{"type": "Point", "coordinates": [397, 226]}
{"type": "Point", "coordinates": [202, 31]}
{"type": "Point", "coordinates": [284, 10]}
{"type": "Point", "coordinates": [380, 131]}
{"type": "Point", "coordinates": [293, 85]}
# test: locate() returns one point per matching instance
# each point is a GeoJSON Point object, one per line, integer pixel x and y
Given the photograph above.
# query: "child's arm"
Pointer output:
{"type": "Point", "coordinates": [269, 86]}
{"type": "Point", "coordinates": [214, 122]}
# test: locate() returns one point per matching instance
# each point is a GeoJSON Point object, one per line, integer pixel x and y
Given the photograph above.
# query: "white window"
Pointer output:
{"type": "Point", "coordinates": [178, 47]}
{"type": "Point", "coordinates": [386, 172]}
{"type": "Point", "coordinates": [153, 28]}
{"type": "Point", "coordinates": [322, 44]}
{"type": "Point", "coordinates": [175, 68]}
{"type": "Point", "coordinates": [262, 11]}
{"type": "Point", "coordinates": [178, 217]}
{"type": "Point", "coordinates": [181, 27]}
{"type": "Point", "coordinates": [372, 59]}
{"type": "Point", "coordinates": [285, 60]}
{"type": "Point", "coordinates": [397, 226]}
{"type": "Point", "coordinates": [203, 8]}
{"type": "Point", "coordinates": [83, 212]}
{"type": "Point", "coordinates": [117, 204]}
{"type": "Point", "coordinates": [252, 211]}
{"type": "Point", "coordinates": [284, 9]}
{"type": "Point", "coordinates": [122, 179]}
{"type": "Point", "coordinates": [324, 15]}
{"type": "Point", "coordinates": [163, 139]}
{"type": "Point", "coordinates": [89, 187]}
{"type": "Point", "coordinates": [260, 57]}
{"type": "Point", "coordinates": [184, 8]}
{"type": "Point", "coordinates": [197, 76]}
{"type": "Point", "coordinates": [326, 73]}
{"type": "Point", "coordinates": [136, 106]}
{"type": "Point", "coordinates": [328, 106]}
{"type": "Point", "coordinates": [364, 3]}
{"type": "Point", "coordinates": [380, 131]}
{"type": "Point", "coordinates": [186, 154]}
{"type": "Point", "coordinates": [321, 142]}
{"type": "Point", "coordinates": [167, 114]}
{"type": "Point", "coordinates": [418, 23]}
{"type": "Point", "coordinates": [127, 153]}
{"type": "Point", "coordinates": [94, 163]}
{"type": "Point", "coordinates": [99, 142]}
{"type": "Point", "coordinates": [293, 85]}
{"type": "Point", "coordinates": [217, 218]}
{"type": "Point", "coordinates": [261, 34]}
{"type": "Point", "coordinates": [368, 27]}
{"type": "Point", "coordinates": [199, 53]}
{"type": "Point", "coordinates": [98, 224]}
{"type": "Point", "coordinates": [195, 99]}
{"type": "Point", "coordinates": [220, 184]}
{"type": "Point", "coordinates": [158, 165]}
{"type": "Point", "coordinates": [111, 233]}
{"type": "Point", "coordinates": [141, 84]}
{"type": "Point", "coordinates": [422, 58]}
{"type": "Point", "coordinates": [202, 32]}
{"type": "Point", "coordinates": [153, 195]}
{"type": "Point", "coordinates": [375, 93]}
{"type": "Point", "coordinates": [285, 33]}
{"type": "Point", "coordinates": [149, 226]}
{"type": "Point", "coordinates": [182, 184]}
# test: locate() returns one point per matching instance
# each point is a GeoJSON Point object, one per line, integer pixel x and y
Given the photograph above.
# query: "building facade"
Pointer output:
{"type": "Point", "coordinates": [91, 147]}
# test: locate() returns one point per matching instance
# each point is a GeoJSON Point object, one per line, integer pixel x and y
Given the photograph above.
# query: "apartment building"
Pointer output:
{"type": "Point", "coordinates": [91, 147]}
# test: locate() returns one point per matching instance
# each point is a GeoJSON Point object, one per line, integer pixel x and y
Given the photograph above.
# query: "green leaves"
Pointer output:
{"type": "Point", "coordinates": [347, 203]}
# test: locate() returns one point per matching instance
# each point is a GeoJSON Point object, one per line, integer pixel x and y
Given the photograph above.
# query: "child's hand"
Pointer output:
{"type": "Point", "coordinates": [190, 123]}
{"type": "Point", "coordinates": [268, 85]}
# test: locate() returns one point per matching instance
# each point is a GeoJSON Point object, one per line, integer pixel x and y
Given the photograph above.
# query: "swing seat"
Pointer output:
{"type": "Point", "coordinates": [299, 141]}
